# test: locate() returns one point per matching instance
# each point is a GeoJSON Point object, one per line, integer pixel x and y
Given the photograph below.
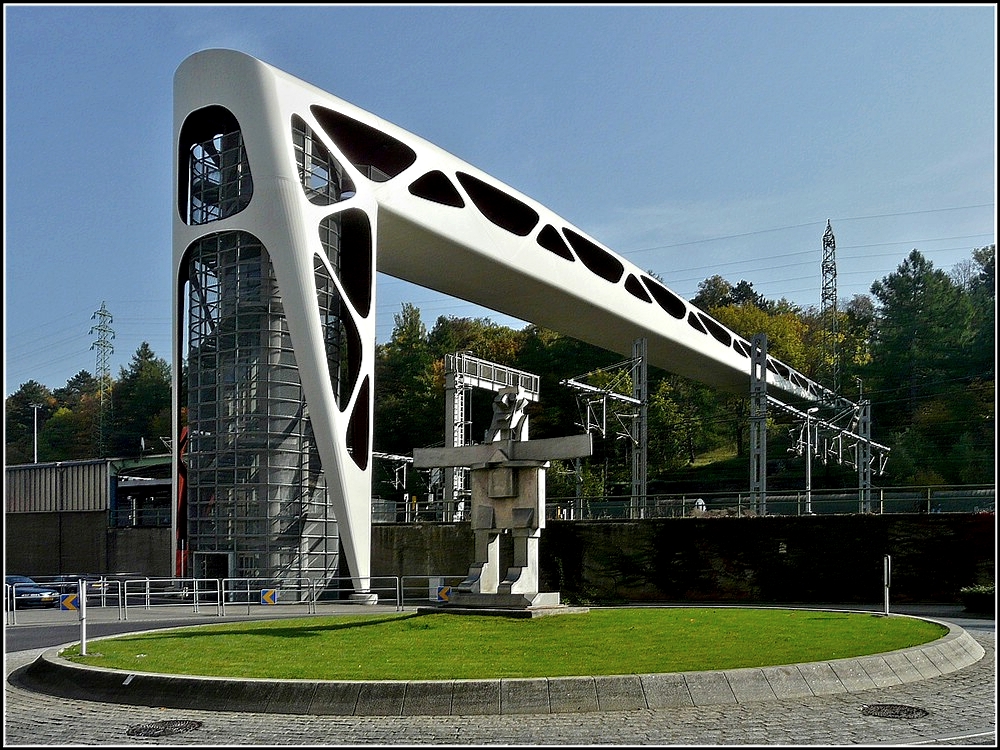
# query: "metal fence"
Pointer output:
{"type": "Point", "coordinates": [939, 499]}
{"type": "Point", "coordinates": [417, 590]}
{"type": "Point", "coordinates": [925, 499]}
{"type": "Point", "coordinates": [140, 517]}
{"type": "Point", "coordinates": [211, 595]}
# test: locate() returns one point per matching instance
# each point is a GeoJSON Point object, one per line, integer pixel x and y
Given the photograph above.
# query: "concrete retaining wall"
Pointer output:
{"type": "Point", "coordinates": [773, 558]}
{"type": "Point", "coordinates": [43, 544]}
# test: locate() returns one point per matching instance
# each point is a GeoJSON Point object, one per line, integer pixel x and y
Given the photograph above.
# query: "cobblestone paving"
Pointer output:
{"type": "Point", "coordinates": [961, 708]}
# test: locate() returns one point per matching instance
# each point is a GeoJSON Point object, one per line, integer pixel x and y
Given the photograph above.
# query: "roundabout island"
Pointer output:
{"type": "Point", "coordinates": [504, 688]}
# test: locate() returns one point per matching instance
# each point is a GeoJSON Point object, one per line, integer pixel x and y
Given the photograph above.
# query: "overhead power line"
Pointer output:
{"type": "Point", "coordinates": [809, 224]}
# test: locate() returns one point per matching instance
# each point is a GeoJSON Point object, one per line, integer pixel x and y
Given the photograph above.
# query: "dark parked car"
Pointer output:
{"type": "Point", "coordinates": [24, 592]}
{"type": "Point", "coordinates": [70, 584]}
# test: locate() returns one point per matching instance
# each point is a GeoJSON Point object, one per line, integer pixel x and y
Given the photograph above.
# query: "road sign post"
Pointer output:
{"type": "Point", "coordinates": [887, 578]}
{"type": "Point", "coordinates": [82, 584]}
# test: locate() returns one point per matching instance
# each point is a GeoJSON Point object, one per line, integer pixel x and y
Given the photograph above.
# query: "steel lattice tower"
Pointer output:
{"type": "Point", "coordinates": [828, 312]}
{"type": "Point", "coordinates": [104, 351]}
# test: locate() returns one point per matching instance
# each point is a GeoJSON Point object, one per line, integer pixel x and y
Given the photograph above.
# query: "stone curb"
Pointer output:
{"type": "Point", "coordinates": [52, 674]}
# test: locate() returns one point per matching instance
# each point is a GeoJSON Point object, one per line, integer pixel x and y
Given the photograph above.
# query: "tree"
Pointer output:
{"type": "Point", "coordinates": [554, 358]}
{"type": "Point", "coordinates": [141, 398]}
{"type": "Point", "coordinates": [744, 294]}
{"type": "Point", "coordinates": [19, 421]}
{"type": "Point", "coordinates": [922, 330]}
{"type": "Point", "coordinates": [985, 279]}
{"type": "Point", "coordinates": [69, 433]}
{"type": "Point", "coordinates": [856, 325]}
{"type": "Point", "coordinates": [78, 387]}
{"type": "Point", "coordinates": [782, 306]}
{"type": "Point", "coordinates": [407, 414]}
{"type": "Point", "coordinates": [932, 371]}
{"type": "Point", "coordinates": [713, 292]}
{"type": "Point", "coordinates": [684, 421]}
{"type": "Point", "coordinates": [982, 295]}
{"type": "Point", "coordinates": [481, 336]}
{"type": "Point", "coordinates": [78, 428]}
{"type": "Point", "coordinates": [786, 331]}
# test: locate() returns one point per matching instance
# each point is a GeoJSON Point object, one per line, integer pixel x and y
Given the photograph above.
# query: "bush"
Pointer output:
{"type": "Point", "coordinates": [980, 599]}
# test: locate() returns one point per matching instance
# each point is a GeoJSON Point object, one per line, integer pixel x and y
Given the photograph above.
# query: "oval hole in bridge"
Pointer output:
{"type": "Point", "coordinates": [596, 258]}
{"type": "Point", "coordinates": [435, 186]}
{"type": "Point", "coordinates": [549, 239]}
{"type": "Point", "coordinates": [721, 334]}
{"type": "Point", "coordinates": [666, 299]}
{"type": "Point", "coordinates": [636, 289]}
{"type": "Point", "coordinates": [695, 323]}
{"type": "Point", "coordinates": [364, 146]}
{"type": "Point", "coordinates": [504, 210]}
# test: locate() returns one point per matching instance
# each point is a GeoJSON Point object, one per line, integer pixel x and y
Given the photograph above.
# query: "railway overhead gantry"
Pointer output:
{"type": "Point", "coordinates": [464, 372]}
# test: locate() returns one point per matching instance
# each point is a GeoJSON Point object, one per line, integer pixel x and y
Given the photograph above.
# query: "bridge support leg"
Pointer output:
{"type": "Point", "coordinates": [758, 423]}
{"type": "Point", "coordinates": [640, 392]}
{"type": "Point", "coordinates": [864, 457]}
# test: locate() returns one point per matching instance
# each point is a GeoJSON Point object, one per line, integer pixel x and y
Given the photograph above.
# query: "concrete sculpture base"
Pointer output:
{"type": "Point", "coordinates": [513, 612]}
{"type": "Point", "coordinates": [507, 601]}
{"type": "Point", "coordinates": [505, 605]}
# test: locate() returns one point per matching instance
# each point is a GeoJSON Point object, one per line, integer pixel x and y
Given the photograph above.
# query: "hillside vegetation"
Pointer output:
{"type": "Point", "coordinates": [921, 348]}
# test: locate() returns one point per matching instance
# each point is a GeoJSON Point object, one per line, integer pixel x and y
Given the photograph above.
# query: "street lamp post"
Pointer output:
{"type": "Point", "coordinates": [36, 407]}
{"type": "Point", "coordinates": [809, 460]}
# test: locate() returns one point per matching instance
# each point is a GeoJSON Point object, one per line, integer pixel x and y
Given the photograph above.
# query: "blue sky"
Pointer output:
{"type": "Point", "coordinates": [693, 140]}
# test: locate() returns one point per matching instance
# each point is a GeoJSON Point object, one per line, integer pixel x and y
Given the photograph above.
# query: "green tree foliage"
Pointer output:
{"type": "Point", "coordinates": [488, 340]}
{"type": "Point", "coordinates": [141, 404]}
{"type": "Point", "coordinates": [404, 388]}
{"type": "Point", "coordinates": [787, 340]}
{"type": "Point", "coordinates": [713, 292]}
{"type": "Point", "coordinates": [81, 386]}
{"type": "Point", "coordinates": [931, 375]}
{"type": "Point", "coordinates": [921, 347]}
{"type": "Point", "coordinates": [786, 331]}
{"type": "Point", "coordinates": [684, 421]}
{"type": "Point", "coordinates": [856, 325]}
{"type": "Point", "coordinates": [136, 408]}
{"type": "Point", "coordinates": [71, 433]}
{"type": "Point", "coordinates": [923, 326]}
{"type": "Point", "coordinates": [554, 358]}
{"type": "Point", "coordinates": [744, 294]}
{"type": "Point", "coordinates": [981, 288]}
{"type": "Point", "coordinates": [19, 422]}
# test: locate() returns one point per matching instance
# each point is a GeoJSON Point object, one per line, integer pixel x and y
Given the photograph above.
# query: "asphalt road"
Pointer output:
{"type": "Point", "coordinates": [41, 632]}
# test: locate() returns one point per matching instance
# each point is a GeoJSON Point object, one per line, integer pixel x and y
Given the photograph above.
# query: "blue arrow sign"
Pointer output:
{"type": "Point", "coordinates": [269, 596]}
{"type": "Point", "coordinates": [69, 602]}
{"type": "Point", "coordinates": [444, 592]}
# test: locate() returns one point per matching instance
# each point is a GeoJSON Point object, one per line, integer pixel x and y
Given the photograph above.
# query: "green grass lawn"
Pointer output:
{"type": "Point", "coordinates": [409, 646]}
